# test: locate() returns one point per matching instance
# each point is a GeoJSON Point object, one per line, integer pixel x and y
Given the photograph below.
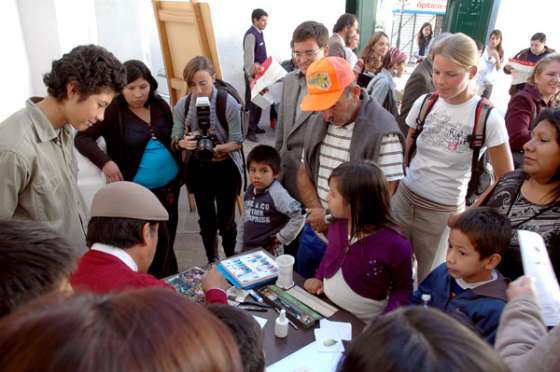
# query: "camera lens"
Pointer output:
{"type": "Point", "coordinates": [205, 149]}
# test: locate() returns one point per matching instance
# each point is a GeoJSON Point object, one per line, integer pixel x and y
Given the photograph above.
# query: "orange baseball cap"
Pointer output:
{"type": "Point", "coordinates": [326, 80]}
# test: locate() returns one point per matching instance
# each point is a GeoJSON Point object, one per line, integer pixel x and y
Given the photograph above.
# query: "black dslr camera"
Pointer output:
{"type": "Point", "coordinates": [204, 141]}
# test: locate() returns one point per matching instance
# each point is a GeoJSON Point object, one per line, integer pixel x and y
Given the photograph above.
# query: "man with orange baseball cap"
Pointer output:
{"type": "Point", "coordinates": [352, 127]}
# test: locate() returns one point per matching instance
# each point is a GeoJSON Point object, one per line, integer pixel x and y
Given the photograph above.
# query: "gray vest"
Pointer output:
{"type": "Point", "coordinates": [371, 125]}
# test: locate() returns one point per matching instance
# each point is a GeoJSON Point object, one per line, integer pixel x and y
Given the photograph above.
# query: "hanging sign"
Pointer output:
{"type": "Point", "coordinates": [420, 6]}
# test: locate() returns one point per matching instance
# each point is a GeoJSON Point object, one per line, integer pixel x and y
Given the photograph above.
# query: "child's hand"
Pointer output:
{"type": "Point", "coordinates": [273, 245]}
{"type": "Point", "coordinates": [520, 287]}
{"type": "Point", "coordinates": [314, 286]}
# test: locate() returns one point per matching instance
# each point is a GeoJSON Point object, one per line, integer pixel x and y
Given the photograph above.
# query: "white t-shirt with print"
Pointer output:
{"type": "Point", "coordinates": [441, 169]}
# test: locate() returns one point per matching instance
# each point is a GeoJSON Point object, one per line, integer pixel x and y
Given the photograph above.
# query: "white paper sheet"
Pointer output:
{"type": "Point", "coordinates": [272, 74]}
{"type": "Point", "coordinates": [536, 264]}
{"type": "Point", "coordinates": [261, 321]}
{"type": "Point", "coordinates": [326, 343]}
{"type": "Point", "coordinates": [521, 70]}
{"type": "Point", "coordinates": [263, 100]}
{"type": "Point", "coordinates": [337, 330]}
{"type": "Point", "coordinates": [307, 359]}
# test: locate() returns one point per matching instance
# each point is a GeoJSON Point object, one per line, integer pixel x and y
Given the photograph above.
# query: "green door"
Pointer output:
{"type": "Point", "coordinates": [472, 17]}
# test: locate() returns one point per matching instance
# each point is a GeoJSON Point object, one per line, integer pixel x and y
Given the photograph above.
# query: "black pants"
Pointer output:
{"type": "Point", "coordinates": [215, 186]}
{"type": "Point", "coordinates": [254, 110]}
{"type": "Point", "coordinates": [165, 261]}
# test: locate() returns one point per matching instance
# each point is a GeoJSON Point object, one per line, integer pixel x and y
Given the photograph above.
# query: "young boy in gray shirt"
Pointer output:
{"type": "Point", "coordinates": [272, 218]}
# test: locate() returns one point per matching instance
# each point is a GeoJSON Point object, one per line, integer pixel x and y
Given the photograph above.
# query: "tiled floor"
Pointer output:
{"type": "Point", "coordinates": [188, 244]}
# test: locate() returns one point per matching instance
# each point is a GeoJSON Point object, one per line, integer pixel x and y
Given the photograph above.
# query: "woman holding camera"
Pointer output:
{"type": "Point", "coordinates": [137, 130]}
{"type": "Point", "coordinates": [213, 177]}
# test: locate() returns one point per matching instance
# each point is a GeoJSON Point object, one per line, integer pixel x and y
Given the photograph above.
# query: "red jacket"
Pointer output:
{"type": "Point", "coordinates": [523, 109]}
{"type": "Point", "coordinates": [101, 273]}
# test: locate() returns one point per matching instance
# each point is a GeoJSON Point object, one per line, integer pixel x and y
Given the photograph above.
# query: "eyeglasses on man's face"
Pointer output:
{"type": "Point", "coordinates": [307, 53]}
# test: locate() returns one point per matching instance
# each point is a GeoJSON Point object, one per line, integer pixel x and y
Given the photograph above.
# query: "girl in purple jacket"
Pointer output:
{"type": "Point", "coordinates": [367, 268]}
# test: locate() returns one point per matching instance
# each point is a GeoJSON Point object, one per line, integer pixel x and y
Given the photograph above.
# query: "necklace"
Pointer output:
{"type": "Point", "coordinates": [535, 214]}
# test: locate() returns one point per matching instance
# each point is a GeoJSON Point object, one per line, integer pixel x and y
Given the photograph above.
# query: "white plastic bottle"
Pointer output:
{"type": "Point", "coordinates": [281, 325]}
{"type": "Point", "coordinates": [426, 297]}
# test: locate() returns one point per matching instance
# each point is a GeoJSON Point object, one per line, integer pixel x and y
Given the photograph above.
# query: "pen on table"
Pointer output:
{"type": "Point", "coordinates": [289, 308]}
{"type": "Point", "coordinates": [289, 321]}
{"type": "Point", "coordinates": [255, 295]}
{"type": "Point", "coordinates": [253, 308]}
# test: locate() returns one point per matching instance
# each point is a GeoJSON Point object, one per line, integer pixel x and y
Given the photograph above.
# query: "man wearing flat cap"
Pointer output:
{"type": "Point", "coordinates": [122, 236]}
{"type": "Point", "coordinates": [352, 127]}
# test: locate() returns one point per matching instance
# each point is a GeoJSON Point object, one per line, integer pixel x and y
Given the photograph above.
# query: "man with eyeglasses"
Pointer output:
{"type": "Point", "coordinates": [345, 28]}
{"type": "Point", "coordinates": [309, 42]}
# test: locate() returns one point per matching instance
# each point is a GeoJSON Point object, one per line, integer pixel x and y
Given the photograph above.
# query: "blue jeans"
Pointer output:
{"type": "Point", "coordinates": [310, 252]}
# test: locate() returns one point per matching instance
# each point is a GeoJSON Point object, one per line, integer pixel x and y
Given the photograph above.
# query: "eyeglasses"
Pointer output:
{"type": "Point", "coordinates": [307, 53]}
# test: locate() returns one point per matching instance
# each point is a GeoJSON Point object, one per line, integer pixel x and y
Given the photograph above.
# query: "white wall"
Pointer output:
{"type": "Point", "coordinates": [14, 71]}
{"type": "Point", "coordinates": [36, 32]}
{"type": "Point", "coordinates": [40, 33]}
{"type": "Point", "coordinates": [232, 18]}
{"type": "Point", "coordinates": [127, 28]}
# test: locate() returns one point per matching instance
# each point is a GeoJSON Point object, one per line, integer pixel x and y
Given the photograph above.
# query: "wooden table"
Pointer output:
{"type": "Point", "coordinates": [278, 348]}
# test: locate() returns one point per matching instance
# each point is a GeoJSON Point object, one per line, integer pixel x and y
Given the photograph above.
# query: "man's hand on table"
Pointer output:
{"type": "Point", "coordinates": [213, 279]}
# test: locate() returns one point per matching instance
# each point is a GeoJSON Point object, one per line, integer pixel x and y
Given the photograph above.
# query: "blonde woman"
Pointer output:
{"type": "Point", "coordinates": [436, 182]}
{"type": "Point", "coordinates": [526, 104]}
{"type": "Point", "coordinates": [215, 181]}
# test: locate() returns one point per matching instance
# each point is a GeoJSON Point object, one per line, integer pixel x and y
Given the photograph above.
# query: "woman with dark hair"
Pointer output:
{"type": "Point", "coordinates": [420, 340]}
{"type": "Point", "coordinates": [525, 106]}
{"type": "Point", "coordinates": [490, 63]}
{"type": "Point", "coordinates": [382, 86]}
{"type": "Point", "coordinates": [367, 267]}
{"type": "Point", "coordinates": [143, 330]}
{"type": "Point", "coordinates": [530, 197]}
{"type": "Point", "coordinates": [214, 179]}
{"type": "Point", "coordinates": [137, 130]}
{"type": "Point", "coordinates": [424, 41]}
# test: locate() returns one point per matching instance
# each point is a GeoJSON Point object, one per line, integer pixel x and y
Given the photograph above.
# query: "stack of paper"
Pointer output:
{"type": "Point", "coordinates": [322, 355]}
{"type": "Point", "coordinates": [307, 359]}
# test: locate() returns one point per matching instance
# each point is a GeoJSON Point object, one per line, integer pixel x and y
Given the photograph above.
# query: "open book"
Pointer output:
{"type": "Point", "coordinates": [249, 270]}
{"type": "Point", "coordinates": [189, 283]}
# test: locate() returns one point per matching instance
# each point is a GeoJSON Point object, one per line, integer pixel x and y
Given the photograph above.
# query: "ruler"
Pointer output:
{"type": "Point", "coordinates": [312, 301]}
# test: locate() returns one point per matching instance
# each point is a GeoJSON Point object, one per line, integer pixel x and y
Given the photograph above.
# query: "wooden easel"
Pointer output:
{"type": "Point", "coordinates": [185, 31]}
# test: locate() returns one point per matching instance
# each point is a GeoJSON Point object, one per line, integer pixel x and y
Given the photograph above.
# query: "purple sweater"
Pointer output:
{"type": "Point", "coordinates": [375, 267]}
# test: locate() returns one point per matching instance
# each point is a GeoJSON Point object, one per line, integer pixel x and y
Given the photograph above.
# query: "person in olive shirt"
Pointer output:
{"type": "Point", "coordinates": [38, 176]}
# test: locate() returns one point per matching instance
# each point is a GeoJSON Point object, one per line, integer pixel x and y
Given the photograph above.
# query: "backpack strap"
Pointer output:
{"type": "Point", "coordinates": [477, 139]}
{"type": "Point", "coordinates": [221, 103]}
{"type": "Point", "coordinates": [187, 105]}
{"type": "Point", "coordinates": [427, 104]}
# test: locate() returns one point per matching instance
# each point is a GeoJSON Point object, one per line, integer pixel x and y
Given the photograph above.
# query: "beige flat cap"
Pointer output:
{"type": "Point", "coordinates": [127, 200]}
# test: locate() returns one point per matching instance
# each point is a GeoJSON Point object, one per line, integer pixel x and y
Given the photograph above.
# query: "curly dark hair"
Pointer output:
{"type": "Point", "coordinates": [92, 68]}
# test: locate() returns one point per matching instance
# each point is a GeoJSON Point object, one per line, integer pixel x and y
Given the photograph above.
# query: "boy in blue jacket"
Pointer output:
{"type": "Point", "coordinates": [468, 286]}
